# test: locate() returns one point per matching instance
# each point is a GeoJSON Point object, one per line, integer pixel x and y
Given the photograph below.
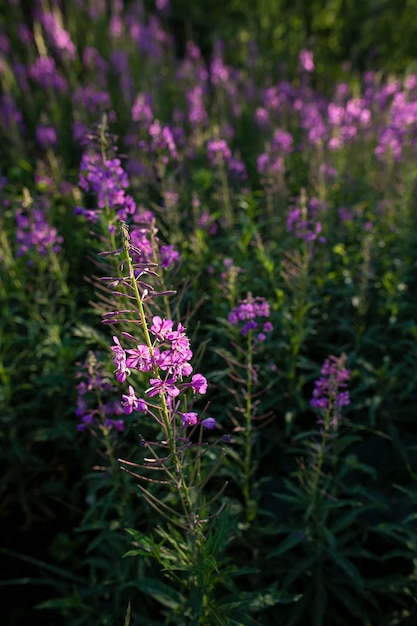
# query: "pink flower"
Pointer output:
{"type": "Point", "coordinates": [306, 60]}
{"type": "Point", "coordinates": [119, 359]}
{"type": "Point", "coordinates": [199, 383]}
{"type": "Point", "coordinates": [162, 386]}
{"type": "Point", "coordinates": [161, 328]}
{"type": "Point", "coordinates": [131, 402]}
{"type": "Point", "coordinates": [189, 419]}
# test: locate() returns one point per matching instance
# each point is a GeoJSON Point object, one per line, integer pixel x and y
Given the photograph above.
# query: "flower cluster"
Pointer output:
{"type": "Point", "coordinates": [306, 60]}
{"type": "Point", "coordinates": [219, 153]}
{"type": "Point", "coordinates": [46, 136]}
{"type": "Point", "coordinates": [169, 255]}
{"type": "Point", "coordinates": [34, 232]}
{"type": "Point", "coordinates": [92, 100]}
{"type": "Point", "coordinates": [248, 311]}
{"type": "Point", "coordinates": [329, 390]}
{"type": "Point", "coordinates": [142, 109]}
{"type": "Point", "coordinates": [162, 141]}
{"type": "Point", "coordinates": [144, 238]}
{"type": "Point", "coordinates": [108, 181]}
{"type": "Point", "coordinates": [59, 38]}
{"type": "Point", "coordinates": [304, 223]}
{"type": "Point", "coordinates": [45, 73]}
{"type": "Point", "coordinates": [10, 113]}
{"type": "Point", "coordinates": [197, 113]}
{"type": "Point", "coordinates": [168, 361]}
{"type": "Point", "coordinates": [96, 406]}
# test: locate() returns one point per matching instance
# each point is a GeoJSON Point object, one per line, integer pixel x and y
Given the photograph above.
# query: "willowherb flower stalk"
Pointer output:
{"type": "Point", "coordinates": [249, 316]}
{"type": "Point", "coordinates": [328, 395]}
{"type": "Point", "coordinates": [329, 398]}
{"type": "Point", "coordinates": [176, 460]}
{"type": "Point", "coordinates": [37, 240]}
{"type": "Point", "coordinates": [164, 355]}
{"type": "Point", "coordinates": [303, 220]}
{"type": "Point", "coordinates": [98, 411]}
{"type": "Point", "coordinates": [103, 175]}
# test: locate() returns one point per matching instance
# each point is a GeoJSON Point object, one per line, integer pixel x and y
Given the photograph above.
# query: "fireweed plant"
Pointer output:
{"type": "Point", "coordinates": [250, 317]}
{"type": "Point", "coordinates": [330, 507]}
{"type": "Point", "coordinates": [319, 493]}
{"type": "Point", "coordinates": [243, 165]}
{"type": "Point", "coordinates": [179, 462]}
{"type": "Point", "coordinates": [329, 398]}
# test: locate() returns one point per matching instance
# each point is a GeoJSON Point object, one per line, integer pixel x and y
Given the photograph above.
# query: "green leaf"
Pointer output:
{"type": "Point", "coordinates": [287, 544]}
{"type": "Point", "coordinates": [164, 594]}
{"type": "Point", "coordinates": [320, 599]}
{"type": "Point", "coordinates": [302, 568]}
{"type": "Point", "coordinates": [58, 571]}
{"type": "Point", "coordinates": [60, 603]}
{"type": "Point", "coordinates": [347, 518]}
{"type": "Point", "coordinates": [348, 601]}
{"type": "Point", "coordinates": [259, 600]}
{"type": "Point", "coordinates": [349, 568]}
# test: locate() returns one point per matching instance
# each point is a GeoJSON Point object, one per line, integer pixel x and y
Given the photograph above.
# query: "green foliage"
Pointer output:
{"type": "Point", "coordinates": [368, 33]}
{"type": "Point", "coordinates": [302, 523]}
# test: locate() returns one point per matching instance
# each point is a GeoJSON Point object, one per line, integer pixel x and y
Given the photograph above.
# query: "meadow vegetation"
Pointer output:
{"type": "Point", "coordinates": [208, 298]}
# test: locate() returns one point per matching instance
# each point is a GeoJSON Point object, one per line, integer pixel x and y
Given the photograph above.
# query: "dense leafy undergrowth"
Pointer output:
{"type": "Point", "coordinates": [208, 327]}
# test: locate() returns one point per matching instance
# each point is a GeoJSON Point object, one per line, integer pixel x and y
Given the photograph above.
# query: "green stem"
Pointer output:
{"type": "Point", "coordinates": [56, 266]}
{"type": "Point", "coordinates": [248, 431]}
{"type": "Point", "coordinates": [226, 194]}
{"type": "Point", "coordinates": [318, 470]}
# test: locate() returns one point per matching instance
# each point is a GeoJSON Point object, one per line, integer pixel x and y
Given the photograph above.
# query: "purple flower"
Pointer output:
{"type": "Point", "coordinates": [131, 402]}
{"type": "Point", "coordinates": [327, 393]}
{"type": "Point", "coordinates": [117, 424]}
{"type": "Point", "coordinates": [169, 255]}
{"type": "Point", "coordinates": [142, 109]}
{"type": "Point", "coordinates": [282, 141]}
{"type": "Point", "coordinates": [119, 359]}
{"type": "Point", "coordinates": [93, 101]}
{"type": "Point", "coordinates": [106, 178]}
{"type": "Point", "coordinates": [58, 37]}
{"type": "Point", "coordinates": [199, 384]}
{"type": "Point", "coordinates": [162, 141]}
{"type": "Point", "coordinates": [252, 325]}
{"type": "Point", "coordinates": [248, 310]}
{"type": "Point", "coordinates": [140, 358]}
{"type": "Point", "coordinates": [34, 232]}
{"type": "Point", "coordinates": [197, 113]}
{"type": "Point", "coordinates": [11, 118]}
{"type": "Point", "coordinates": [95, 383]}
{"type": "Point", "coordinates": [161, 328]}
{"type": "Point", "coordinates": [160, 387]}
{"type": "Point", "coordinates": [46, 136]}
{"type": "Point", "coordinates": [45, 73]}
{"type": "Point", "coordinates": [304, 223]}
{"type": "Point", "coordinates": [343, 399]}
{"type": "Point", "coordinates": [162, 5]}
{"type": "Point", "coordinates": [189, 419]}
{"type": "Point", "coordinates": [262, 116]}
{"type": "Point", "coordinates": [218, 152]}
{"type": "Point", "coordinates": [306, 61]}
{"type": "Point", "coordinates": [209, 423]}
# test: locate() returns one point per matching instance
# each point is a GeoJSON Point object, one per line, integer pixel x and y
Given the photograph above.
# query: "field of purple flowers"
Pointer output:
{"type": "Point", "coordinates": [208, 366]}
